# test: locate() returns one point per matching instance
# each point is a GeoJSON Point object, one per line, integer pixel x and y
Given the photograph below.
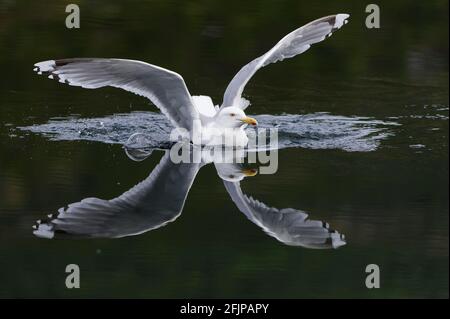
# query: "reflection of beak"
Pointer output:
{"type": "Point", "coordinates": [249, 172]}
{"type": "Point", "coordinates": [249, 120]}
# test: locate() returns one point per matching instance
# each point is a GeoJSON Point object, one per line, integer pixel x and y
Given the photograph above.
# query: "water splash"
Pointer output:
{"type": "Point", "coordinates": [313, 131]}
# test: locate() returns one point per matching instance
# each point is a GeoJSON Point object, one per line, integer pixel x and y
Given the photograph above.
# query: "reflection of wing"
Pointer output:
{"type": "Point", "coordinates": [289, 226]}
{"type": "Point", "coordinates": [294, 43]}
{"type": "Point", "coordinates": [153, 203]}
{"type": "Point", "coordinates": [166, 89]}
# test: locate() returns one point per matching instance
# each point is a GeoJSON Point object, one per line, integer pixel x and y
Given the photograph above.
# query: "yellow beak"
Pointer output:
{"type": "Point", "coordinates": [249, 120]}
{"type": "Point", "coordinates": [249, 172]}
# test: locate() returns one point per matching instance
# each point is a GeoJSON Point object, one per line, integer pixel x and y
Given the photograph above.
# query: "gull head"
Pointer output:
{"type": "Point", "coordinates": [232, 172]}
{"type": "Point", "coordinates": [233, 117]}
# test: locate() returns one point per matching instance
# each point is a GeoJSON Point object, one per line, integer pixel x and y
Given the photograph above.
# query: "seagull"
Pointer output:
{"type": "Point", "coordinates": [196, 117]}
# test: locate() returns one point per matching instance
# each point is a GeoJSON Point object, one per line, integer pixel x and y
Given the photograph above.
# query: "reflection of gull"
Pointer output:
{"type": "Point", "coordinates": [159, 199]}
{"type": "Point", "coordinates": [206, 123]}
{"type": "Point", "coordinates": [152, 203]}
{"type": "Point", "coordinates": [288, 225]}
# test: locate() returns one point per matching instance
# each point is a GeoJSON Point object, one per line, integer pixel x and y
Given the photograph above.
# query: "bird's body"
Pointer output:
{"type": "Point", "coordinates": [195, 117]}
{"type": "Point", "coordinates": [212, 134]}
{"type": "Point", "coordinates": [212, 131]}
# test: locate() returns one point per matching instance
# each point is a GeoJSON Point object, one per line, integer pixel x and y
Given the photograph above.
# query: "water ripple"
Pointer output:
{"type": "Point", "coordinates": [313, 131]}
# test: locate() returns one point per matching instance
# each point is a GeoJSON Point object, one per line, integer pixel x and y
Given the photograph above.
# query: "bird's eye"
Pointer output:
{"type": "Point", "coordinates": [231, 176]}
{"type": "Point", "coordinates": [232, 114]}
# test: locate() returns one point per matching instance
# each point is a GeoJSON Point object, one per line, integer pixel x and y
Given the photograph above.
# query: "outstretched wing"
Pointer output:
{"type": "Point", "coordinates": [154, 202]}
{"type": "Point", "coordinates": [166, 89]}
{"type": "Point", "coordinates": [289, 226]}
{"type": "Point", "coordinates": [294, 43]}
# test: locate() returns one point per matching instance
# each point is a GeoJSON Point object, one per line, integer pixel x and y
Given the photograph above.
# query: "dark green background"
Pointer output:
{"type": "Point", "coordinates": [392, 204]}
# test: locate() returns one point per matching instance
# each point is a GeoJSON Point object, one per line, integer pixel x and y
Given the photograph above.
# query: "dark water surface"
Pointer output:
{"type": "Point", "coordinates": [363, 120]}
